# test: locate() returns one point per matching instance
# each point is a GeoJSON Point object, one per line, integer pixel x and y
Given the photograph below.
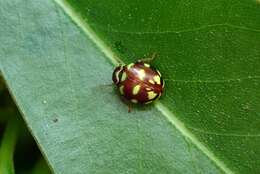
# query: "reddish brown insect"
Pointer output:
{"type": "Point", "coordinates": [138, 82]}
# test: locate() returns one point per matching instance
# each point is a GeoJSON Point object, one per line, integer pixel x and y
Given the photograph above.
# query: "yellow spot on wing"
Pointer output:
{"type": "Point", "coordinates": [159, 73]}
{"type": "Point", "coordinates": [123, 76]}
{"type": "Point", "coordinates": [148, 89]}
{"type": "Point", "coordinates": [141, 74]}
{"type": "Point", "coordinates": [136, 89]}
{"type": "Point", "coordinates": [159, 95]}
{"type": "Point", "coordinates": [151, 81]}
{"type": "Point", "coordinates": [146, 65]}
{"type": "Point", "coordinates": [157, 79]}
{"type": "Point", "coordinates": [149, 102]}
{"type": "Point", "coordinates": [130, 65]}
{"type": "Point", "coordinates": [134, 101]}
{"type": "Point", "coordinates": [121, 89]}
{"type": "Point", "coordinates": [151, 95]}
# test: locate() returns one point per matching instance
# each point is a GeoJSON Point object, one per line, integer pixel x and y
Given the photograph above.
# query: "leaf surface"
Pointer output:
{"type": "Point", "coordinates": [56, 56]}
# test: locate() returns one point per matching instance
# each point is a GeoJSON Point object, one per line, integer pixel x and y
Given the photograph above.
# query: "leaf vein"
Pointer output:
{"type": "Point", "coordinates": [215, 81]}
{"type": "Point", "coordinates": [184, 30]}
{"type": "Point", "coordinates": [223, 134]}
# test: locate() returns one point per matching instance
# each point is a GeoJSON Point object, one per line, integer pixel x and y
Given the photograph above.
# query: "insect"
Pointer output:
{"type": "Point", "coordinates": [138, 82]}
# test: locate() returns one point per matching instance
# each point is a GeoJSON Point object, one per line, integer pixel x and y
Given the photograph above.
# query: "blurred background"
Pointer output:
{"type": "Point", "coordinates": [19, 153]}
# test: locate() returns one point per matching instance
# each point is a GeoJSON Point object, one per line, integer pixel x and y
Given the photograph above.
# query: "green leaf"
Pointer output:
{"type": "Point", "coordinates": [56, 56]}
{"type": "Point", "coordinates": [7, 145]}
{"type": "Point", "coordinates": [41, 167]}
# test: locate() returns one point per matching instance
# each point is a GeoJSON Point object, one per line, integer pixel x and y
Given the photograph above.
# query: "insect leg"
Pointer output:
{"type": "Point", "coordinates": [129, 107]}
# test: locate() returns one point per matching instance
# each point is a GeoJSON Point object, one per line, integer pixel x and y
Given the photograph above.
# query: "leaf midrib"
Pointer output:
{"type": "Point", "coordinates": [115, 60]}
{"type": "Point", "coordinates": [185, 30]}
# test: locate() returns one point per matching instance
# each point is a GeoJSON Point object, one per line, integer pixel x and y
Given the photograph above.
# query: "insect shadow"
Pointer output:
{"type": "Point", "coordinates": [109, 93]}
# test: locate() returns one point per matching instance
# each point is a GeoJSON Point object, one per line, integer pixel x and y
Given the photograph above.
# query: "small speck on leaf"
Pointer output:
{"type": "Point", "coordinates": [55, 120]}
